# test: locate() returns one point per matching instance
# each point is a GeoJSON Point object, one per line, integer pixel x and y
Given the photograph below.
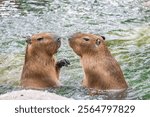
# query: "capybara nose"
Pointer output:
{"type": "Point", "coordinates": [28, 40]}
{"type": "Point", "coordinates": [69, 39]}
{"type": "Point", "coordinates": [59, 39]}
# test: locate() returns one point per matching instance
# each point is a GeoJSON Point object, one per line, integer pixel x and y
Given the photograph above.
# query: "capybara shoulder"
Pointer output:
{"type": "Point", "coordinates": [101, 70]}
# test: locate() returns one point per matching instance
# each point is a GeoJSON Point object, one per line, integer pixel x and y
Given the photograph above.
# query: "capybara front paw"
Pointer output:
{"type": "Point", "coordinates": [63, 62]}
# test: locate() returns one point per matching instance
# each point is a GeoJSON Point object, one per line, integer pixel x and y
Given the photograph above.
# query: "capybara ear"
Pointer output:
{"type": "Point", "coordinates": [28, 40]}
{"type": "Point", "coordinates": [98, 41]}
{"type": "Point", "coordinates": [103, 37]}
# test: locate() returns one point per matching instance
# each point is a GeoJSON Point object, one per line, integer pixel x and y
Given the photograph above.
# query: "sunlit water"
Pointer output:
{"type": "Point", "coordinates": [124, 23]}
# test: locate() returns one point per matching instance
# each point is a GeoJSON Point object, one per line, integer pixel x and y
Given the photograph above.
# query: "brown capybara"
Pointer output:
{"type": "Point", "coordinates": [40, 68]}
{"type": "Point", "coordinates": [101, 70]}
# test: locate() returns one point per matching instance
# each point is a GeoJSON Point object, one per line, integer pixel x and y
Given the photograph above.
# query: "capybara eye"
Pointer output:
{"type": "Point", "coordinates": [86, 39]}
{"type": "Point", "coordinates": [103, 37]}
{"type": "Point", "coordinates": [40, 39]}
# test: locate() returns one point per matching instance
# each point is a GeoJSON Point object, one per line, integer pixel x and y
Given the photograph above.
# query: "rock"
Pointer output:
{"type": "Point", "coordinates": [31, 95]}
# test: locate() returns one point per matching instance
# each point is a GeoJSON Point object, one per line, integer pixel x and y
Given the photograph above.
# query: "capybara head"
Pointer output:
{"type": "Point", "coordinates": [46, 43]}
{"type": "Point", "coordinates": [83, 43]}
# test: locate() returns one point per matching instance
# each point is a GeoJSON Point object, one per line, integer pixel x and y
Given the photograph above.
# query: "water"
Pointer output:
{"type": "Point", "coordinates": [124, 23]}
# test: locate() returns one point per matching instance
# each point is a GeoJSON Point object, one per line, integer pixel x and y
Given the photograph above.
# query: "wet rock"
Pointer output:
{"type": "Point", "coordinates": [31, 95]}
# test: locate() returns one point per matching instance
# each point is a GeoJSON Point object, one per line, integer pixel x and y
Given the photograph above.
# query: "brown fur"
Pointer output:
{"type": "Point", "coordinates": [40, 68]}
{"type": "Point", "coordinates": [101, 70]}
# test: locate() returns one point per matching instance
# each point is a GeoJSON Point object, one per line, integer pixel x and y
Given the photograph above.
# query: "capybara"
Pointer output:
{"type": "Point", "coordinates": [101, 70]}
{"type": "Point", "coordinates": [40, 68]}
